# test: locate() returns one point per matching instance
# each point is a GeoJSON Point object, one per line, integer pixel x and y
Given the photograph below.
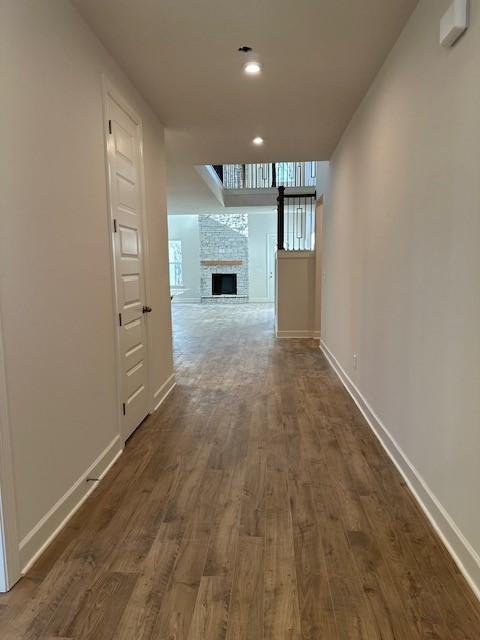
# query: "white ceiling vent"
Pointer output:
{"type": "Point", "coordinates": [454, 23]}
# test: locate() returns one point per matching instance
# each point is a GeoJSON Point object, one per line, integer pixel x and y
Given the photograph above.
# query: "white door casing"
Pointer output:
{"type": "Point", "coordinates": [125, 184]}
{"type": "Point", "coordinates": [9, 540]}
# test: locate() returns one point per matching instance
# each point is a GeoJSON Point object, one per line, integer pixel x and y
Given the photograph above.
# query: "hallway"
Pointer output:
{"type": "Point", "coordinates": [255, 504]}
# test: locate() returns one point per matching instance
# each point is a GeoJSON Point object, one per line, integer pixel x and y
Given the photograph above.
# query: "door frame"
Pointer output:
{"type": "Point", "coordinates": [10, 570]}
{"type": "Point", "coordinates": [269, 236]}
{"type": "Point", "coordinates": [110, 92]}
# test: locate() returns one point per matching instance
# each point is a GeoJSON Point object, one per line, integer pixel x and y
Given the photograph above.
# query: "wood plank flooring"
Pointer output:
{"type": "Point", "coordinates": [254, 505]}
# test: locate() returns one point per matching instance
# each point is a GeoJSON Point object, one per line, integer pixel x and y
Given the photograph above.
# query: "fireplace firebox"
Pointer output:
{"type": "Point", "coordinates": [224, 284]}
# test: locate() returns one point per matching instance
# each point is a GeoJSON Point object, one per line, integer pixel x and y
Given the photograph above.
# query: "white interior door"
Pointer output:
{"type": "Point", "coordinates": [124, 139]}
{"type": "Point", "coordinates": [271, 251]}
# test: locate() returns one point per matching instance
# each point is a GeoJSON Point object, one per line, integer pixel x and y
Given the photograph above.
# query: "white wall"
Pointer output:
{"type": "Point", "coordinates": [322, 178]}
{"type": "Point", "coordinates": [402, 262]}
{"type": "Point", "coordinates": [259, 226]}
{"type": "Point", "coordinates": [295, 294]}
{"type": "Point", "coordinates": [186, 229]}
{"type": "Point", "coordinates": [56, 283]}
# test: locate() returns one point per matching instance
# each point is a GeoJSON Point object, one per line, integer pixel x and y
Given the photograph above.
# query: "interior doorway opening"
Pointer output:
{"type": "Point", "coordinates": [224, 261]}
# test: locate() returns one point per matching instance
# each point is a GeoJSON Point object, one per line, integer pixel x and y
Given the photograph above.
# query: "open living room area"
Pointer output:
{"type": "Point", "coordinates": [257, 251]}
{"type": "Point", "coordinates": [224, 258]}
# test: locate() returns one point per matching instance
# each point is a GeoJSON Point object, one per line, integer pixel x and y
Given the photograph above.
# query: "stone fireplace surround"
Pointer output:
{"type": "Point", "coordinates": [223, 249]}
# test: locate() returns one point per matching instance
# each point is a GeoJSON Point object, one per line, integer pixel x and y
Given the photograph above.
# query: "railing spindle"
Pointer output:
{"type": "Point", "coordinates": [281, 219]}
{"type": "Point", "coordinates": [265, 175]}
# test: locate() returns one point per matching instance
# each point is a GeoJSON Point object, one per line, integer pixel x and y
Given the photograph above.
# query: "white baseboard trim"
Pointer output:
{"type": "Point", "coordinates": [462, 552]}
{"type": "Point", "coordinates": [182, 300]}
{"type": "Point", "coordinates": [297, 333]}
{"type": "Point", "coordinates": [161, 393]}
{"type": "Point", "coordinates": [42, 534]}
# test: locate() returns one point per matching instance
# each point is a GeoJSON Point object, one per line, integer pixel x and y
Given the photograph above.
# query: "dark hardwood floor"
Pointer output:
{"type": "Point", "coordinates": [255, 504]}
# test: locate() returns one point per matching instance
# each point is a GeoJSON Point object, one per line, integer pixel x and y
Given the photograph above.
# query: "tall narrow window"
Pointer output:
{"type": "Point", "coordinates": [175, 263]}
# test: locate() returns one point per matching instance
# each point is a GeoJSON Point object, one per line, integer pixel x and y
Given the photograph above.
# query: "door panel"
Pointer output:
{"type": "Point", "coordinates": [131, 290]}
{"type": "Point", "coordinates": [128, 241]}
{"type": "Point", "coordinates": [124, 158]}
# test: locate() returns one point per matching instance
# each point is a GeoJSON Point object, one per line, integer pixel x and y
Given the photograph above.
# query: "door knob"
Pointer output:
{"type": "Point", "coordinates": [146, 309]}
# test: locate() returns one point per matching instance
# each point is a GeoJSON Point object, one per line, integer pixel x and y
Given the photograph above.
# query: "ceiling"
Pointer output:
{"type": "Point", "coordinates": [187, 191]}
{"type": "Point", "coordinates": [319, 58]}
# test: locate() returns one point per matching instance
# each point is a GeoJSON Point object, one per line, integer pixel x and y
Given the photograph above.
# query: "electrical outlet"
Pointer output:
{"type": "Point", "coordinates": [354, 360]}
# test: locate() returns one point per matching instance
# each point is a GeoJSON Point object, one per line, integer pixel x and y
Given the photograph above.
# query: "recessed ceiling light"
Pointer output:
{"type": "Point", "coordinates": [252, 68]}
{"type": "Point", "coordinates": [252, 65]}
{"type": "Point", "coordinates": [258, 141]}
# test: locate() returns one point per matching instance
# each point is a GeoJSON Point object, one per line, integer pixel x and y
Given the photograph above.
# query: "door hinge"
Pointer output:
{"type": "Point", "coordinates": [110, 126]}
{"type": "Point", "coordinates": [123, 409]}
{"type": "Point", "coordinates": [114, 226]}
{"type": "Point", "coordinates": [120, 319]}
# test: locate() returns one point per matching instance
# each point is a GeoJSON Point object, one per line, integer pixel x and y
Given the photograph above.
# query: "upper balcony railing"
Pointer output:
{"type": "Point", "coordinates": [296, 220]}
{"type": "Point", "coordinates": [265, 175]}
